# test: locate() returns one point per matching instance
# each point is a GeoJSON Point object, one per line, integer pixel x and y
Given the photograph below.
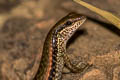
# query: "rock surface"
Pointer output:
{"type": "Point", "coordinates": [24, 25]}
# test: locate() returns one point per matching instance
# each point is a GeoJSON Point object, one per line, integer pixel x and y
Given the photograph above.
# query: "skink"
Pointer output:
{"type": "Point", "coordinates": [54, 55]}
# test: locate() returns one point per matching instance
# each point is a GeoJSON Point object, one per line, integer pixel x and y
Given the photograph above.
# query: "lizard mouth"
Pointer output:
{"type": "Point", "coordinates": [79, 21]}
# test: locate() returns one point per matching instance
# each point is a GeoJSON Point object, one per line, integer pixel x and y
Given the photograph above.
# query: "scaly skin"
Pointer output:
{"type": "Point", "coordinates": [54, 55]}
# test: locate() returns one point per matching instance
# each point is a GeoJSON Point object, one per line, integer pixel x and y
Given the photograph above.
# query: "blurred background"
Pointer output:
{"type": "Point", "coordinates": [24, 25]}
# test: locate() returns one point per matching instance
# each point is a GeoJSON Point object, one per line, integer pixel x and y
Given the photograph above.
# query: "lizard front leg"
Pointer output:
{"type": "Point", "coordinates": [80, 67]}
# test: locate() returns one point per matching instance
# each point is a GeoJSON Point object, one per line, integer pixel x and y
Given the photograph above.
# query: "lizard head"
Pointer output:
{"type": "Point", "coordinates": [67, 26]}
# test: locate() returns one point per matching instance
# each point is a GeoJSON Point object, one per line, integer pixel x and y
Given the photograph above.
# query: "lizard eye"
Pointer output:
{"type": "Point", "coordinates": [68, 23]}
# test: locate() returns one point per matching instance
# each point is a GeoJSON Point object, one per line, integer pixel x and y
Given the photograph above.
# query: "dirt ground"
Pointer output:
{"type": "Point", "coordinates": [24, 25]}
